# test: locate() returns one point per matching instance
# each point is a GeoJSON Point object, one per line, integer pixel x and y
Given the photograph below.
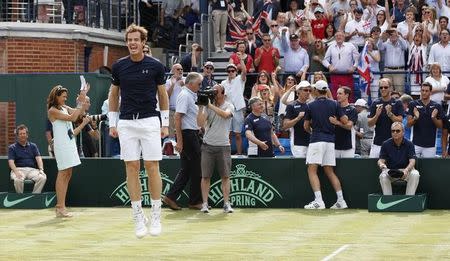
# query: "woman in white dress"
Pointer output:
{"type": "Point", "coordinates": [61, 116]}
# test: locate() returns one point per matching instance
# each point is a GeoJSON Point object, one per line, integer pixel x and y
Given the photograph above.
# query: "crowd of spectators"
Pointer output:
{"type": "Point", "coordinates": [281, 45]}
{"type": "Point", "coordinates": [404, 44]}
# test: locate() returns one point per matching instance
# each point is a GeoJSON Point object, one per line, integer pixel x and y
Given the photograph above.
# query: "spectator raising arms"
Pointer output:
{"type": "Point", "coordinates": [234, 86]}
{"type": "Point", "coordinates": [66, 153]}
{"type": "Point", "coordinates": [240, 56]}
{"type": "Point", "coordinates": [267, 57]}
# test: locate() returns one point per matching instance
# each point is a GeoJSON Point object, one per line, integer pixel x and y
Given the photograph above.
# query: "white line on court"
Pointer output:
{"type": "Point", "coordinates": [337, 251]}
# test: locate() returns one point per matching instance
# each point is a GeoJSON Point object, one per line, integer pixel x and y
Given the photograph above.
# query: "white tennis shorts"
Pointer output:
{"type": "Point", "coordinates": [321, 153]}
{"type": "Point", "coordinates": [299, 151]}
{"type": "Point", "coordinates": [140, 137]}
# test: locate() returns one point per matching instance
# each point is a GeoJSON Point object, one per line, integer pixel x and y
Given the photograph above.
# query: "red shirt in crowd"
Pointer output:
{"type": "Point", "coordinates": [318, 27]}
{"type": "Point", "coordinates": [266, 63]}
{"type": "Point", "coordinates": [248, 61]}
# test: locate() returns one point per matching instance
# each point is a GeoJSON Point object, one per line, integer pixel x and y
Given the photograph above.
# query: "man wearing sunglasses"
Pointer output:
{"type": "Point", "coordinates": [208, 77]}
{"type": "Point", "coordinates": [251, 42]}
{"type": "Point", "coordinates": [173, 88]}
{"type": "Point", "coordinates": [294, 120]}
{"type": "Point", "coordinates": [234, 90]}
{"type": "Point", "coordinates": [267, 57]}
{"type": "Point", "coordinates": [383, 112]}
{"type": "Point", "coordinates": [425, 117]}
{"type": "Point", "coordinates": [397, 153]}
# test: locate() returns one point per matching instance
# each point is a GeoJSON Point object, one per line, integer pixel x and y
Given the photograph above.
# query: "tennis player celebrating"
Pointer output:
{"type": "Point", "coordinates": [138, 127]}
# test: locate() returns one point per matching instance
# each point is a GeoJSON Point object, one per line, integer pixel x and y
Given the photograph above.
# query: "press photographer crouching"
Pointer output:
{"type": "Point", "coordinates": [214, 115]}
{"type": "Point", "coordinates": [397, 160]}
{"type": "Point", "coordinates": [89, 135]}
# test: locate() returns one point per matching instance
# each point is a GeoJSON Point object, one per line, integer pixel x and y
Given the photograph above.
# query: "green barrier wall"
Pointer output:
{"type": "Point", "coordinates": [30, 92]}
{"type": "Point", "coordinates": [271, 183]}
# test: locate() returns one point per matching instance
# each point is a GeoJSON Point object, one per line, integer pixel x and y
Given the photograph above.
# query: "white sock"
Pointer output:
{"type": "Point", "coordinates": [340, 196]}
{"type": "Point", "coordinates": [318, 196]}
{"type": "Point", "coordinates": [156, 204]}
{"type": "Point", "coordinates": [136, 206]}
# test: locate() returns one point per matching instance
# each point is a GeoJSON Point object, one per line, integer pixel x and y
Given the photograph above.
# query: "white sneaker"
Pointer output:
{"type": "Point", "coordinates": [315, 205]}
{"type": "Point", "coordinates": [205, 208]}
{"type": "Point", "coordinates": [227, 208]}
{"type": "Point", "coordinates": [339, 205]}
{"type": "Point", "coordinates": [140, 224]}
{"type": "Point", "coordinates": [155, 222]}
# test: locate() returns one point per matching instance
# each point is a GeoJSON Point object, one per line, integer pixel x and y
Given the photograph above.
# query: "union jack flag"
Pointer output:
{"type": "Point", "coordinates": [236, 30]}
{"type": "Point", "coordinates": [364, 71]}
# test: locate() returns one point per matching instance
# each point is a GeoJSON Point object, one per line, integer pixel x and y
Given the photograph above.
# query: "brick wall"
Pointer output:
{"type": "Point", "coordinates": [28, 55]}
{"type": "Point", "coordinates": [7, 125]}
{"type": "Point", "coordinates": [2, 56]}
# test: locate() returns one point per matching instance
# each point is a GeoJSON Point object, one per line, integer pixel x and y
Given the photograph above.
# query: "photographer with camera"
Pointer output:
{"type": "Point", "coordinates": [188, 145]}
{"type": "Point", "coordinates": [215, 116]}
{"type": "Point", "coordinates": [397, 160]}
{"type": "Point", "coordinates": [89, 135]}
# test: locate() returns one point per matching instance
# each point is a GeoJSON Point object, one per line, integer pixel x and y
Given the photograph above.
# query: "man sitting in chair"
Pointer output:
{"type": "Point", "coordinates": [397, 160]}
{"type": "Point", "coordinates": [25, 162]}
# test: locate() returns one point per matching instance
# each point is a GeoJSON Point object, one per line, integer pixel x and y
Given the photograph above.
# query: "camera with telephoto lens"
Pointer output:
{"type": "Point", "coordinates": [98, 117]}
{"type": "Point", "coordinates": [206, 95]}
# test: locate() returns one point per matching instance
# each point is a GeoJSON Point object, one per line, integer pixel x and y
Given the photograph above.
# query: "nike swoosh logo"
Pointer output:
{"type": "Point", "coordinates": [47, 202]}
{"type": "Point", "coordinates": [381, 205]}
{"type": "Point", "coordinates": [9, 204]}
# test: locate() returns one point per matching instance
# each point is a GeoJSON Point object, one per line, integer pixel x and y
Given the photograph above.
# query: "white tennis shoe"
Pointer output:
{"type": "Point", "coordinates": [315, 205]}
{"type": "Point", "coordinates": [140, 221]}
{"type": "Point", "coordinates": [339, 205]}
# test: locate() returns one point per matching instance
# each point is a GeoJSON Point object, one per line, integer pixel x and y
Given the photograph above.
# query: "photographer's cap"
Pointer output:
{"type": "Point", "coordinates": [321, 85]}
{"type": "Point", "coordinates": [302, 84]}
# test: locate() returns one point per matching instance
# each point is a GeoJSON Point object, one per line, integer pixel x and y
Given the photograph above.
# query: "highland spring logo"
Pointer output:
{"type": "Point", "coordinates": [247, 189]}
{"type": "Point", "coordinates": [121, 192]}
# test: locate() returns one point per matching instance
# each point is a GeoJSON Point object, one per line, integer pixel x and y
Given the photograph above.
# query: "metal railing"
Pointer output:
{"type": "Point", "coordinates": [107, 14]}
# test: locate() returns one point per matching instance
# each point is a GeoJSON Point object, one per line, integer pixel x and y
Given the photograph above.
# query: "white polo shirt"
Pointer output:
{"type": "Point", "coordinates": [234, 90]}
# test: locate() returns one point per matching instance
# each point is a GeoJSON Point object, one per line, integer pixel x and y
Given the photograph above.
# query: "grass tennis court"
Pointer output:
{"type": "Point", "coordinates": [247, 234]}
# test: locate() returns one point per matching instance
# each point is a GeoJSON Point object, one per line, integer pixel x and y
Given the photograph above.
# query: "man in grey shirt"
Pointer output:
{"type": "Point", "coordinates": [216, 150]}
{"type": "Point", "coordinates": [364, 133]}
{"type": "Point", "coordinates": [188, 144]}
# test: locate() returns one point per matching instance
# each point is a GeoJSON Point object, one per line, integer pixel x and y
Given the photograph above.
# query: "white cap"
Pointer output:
{"type": "Point", "coordinates": [361, 102]}
{"type": "Point", "coordinates": [318, 9]}
{"type": "Point", "coordinates": [209, 63]}
{"type": "Point", "coordinates": [321, 85]}
{"type": "Point", "coordinates": [302, 84]}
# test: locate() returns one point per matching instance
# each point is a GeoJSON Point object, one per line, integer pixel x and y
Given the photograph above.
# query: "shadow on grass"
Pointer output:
{"type": "Point", "coordinates": [51, 222]}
